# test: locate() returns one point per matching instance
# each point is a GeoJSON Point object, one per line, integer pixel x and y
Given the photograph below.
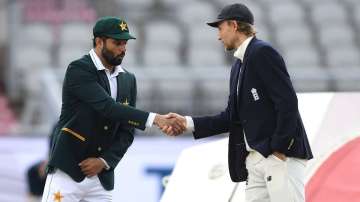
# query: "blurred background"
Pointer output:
{"type": "Point", "coordinates": [179, 63]}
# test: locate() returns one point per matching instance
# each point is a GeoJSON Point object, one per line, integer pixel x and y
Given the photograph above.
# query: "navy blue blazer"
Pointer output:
{"type": "Point", "coordinates": [265, 109]}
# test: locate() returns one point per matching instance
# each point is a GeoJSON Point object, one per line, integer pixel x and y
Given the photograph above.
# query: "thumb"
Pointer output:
{"type": "Point", "coordinates": [164, 128]}
{"type": "Point", "coordinates": [172, 115]}
{"type": "Point", "coordinates": [82, 162]}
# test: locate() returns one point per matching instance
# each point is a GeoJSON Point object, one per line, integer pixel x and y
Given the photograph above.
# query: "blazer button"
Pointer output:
{"type": "Point", "coordinates": [99, 148]}
{"type": "Point", "coordinates": [106, 127]}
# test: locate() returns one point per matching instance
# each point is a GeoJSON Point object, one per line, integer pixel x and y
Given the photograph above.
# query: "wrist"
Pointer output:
{"type": "Point", "coordinates": [104, 164]}
{"type": "Point", "coordinates": [157, 119]}
{"type": "Point", "coordinates": [279, 155]}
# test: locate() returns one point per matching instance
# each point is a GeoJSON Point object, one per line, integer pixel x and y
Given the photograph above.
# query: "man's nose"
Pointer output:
{"type": "Point", "coordinates": [123, 48]}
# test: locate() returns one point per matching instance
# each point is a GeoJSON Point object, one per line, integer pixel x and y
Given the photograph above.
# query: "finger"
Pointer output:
{"type": "Point", "coordinates": [176, 134]}
{"type": "Point", "coordinates": [181, 123]}
{"type": "Point", "coordinates": [84, 165]}
{"type": "Point", "coordinates": [180, 127]}
{"type": "Point", "coordinates": [169, 131]}
{"type": "Point", "coordinates": [86, 171]}
{"type": "Point", "coordinates": [94, 171]}
{"type": "Point", "coordinates": [90, 172]}
{"type": "Point", "coordinates": [176, 130]}
{"type": "Point", "coordinates": [164, 128]}
{"type": "Point", "coordinates": [87, 166]}
{"type": "Point", "coordinates": [82, 162]}
{"type": "Point", "coordinates": [173, 132]}
{"type": "Point", "coordinates": [173, 126]}
{"type": "Point", "coordinates": [177, 126]}
{"type": "Point", "coordinates": [85, 162]}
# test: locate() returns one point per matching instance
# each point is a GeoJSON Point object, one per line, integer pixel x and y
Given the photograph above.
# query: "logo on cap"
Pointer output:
{"type": "Point", "coordinates": [123, 26]}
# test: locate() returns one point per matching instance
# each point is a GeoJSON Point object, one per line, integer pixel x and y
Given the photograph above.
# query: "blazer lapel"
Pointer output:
{"type": "Point", "coordinates": [104, 80]}
{"type": "Point", "coordinates": [123, 89]}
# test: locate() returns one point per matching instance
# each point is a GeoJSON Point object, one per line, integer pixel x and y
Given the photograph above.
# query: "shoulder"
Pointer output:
{"type": "Point", "coordinates": [84, 61]}
{"type": "Point", "coordinates": [83, 64]}
{"type": "Point", "coordinates": [129, 74]}
{"type": "Point", "coordinates": [80, 69]}
{"type": "Point", "coordinates": [260, 47]}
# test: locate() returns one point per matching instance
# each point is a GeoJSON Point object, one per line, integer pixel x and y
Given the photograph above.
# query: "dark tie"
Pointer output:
{"type": "Point", "coordinates": [236, 97]}
{"type": "Point", "coordinates": [239, 78]}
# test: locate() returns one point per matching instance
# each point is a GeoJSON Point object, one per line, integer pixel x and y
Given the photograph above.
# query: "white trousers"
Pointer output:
{"type": "Point", "coordinates": [60, 187]}
{"type": "Point", "coordinates": [274, 180]}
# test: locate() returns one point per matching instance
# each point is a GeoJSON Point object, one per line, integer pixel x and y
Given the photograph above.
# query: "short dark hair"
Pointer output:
{"type": "Point", "coordinates": [245, 28]}
{"type": "Point", "coordinates": [101, 37]}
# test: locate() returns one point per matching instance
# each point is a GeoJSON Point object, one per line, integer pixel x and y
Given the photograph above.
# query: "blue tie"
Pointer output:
{"type": "Point", "coordinates": [239, 77]}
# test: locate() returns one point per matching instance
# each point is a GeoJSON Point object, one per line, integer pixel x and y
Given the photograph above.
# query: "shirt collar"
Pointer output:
{"type": "Point", "coordinates": [240, 52]}
{"type": "Point", "coordinates": [99, 65]}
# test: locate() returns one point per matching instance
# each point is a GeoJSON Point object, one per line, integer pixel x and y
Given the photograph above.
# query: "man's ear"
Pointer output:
{"type": "Point", "coordinates": [234, 24]}
{"type": "Point", "coordinates": [99, 42]}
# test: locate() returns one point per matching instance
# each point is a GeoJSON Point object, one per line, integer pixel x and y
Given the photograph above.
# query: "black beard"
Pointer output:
{"type": "Point", "coordinates": [110, 58]}
{"type": "Point", "coordinates": [229, 48]}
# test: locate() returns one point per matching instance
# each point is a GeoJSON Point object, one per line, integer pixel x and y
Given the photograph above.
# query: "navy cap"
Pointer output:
{"type": "Point", "coordinates": [238, 12]}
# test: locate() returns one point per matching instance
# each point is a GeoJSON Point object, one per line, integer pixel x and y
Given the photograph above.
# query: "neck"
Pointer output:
{"type": "Point", "coordinates": [103, 61]}
{"type": "Point", "coordinates": [240, 40]}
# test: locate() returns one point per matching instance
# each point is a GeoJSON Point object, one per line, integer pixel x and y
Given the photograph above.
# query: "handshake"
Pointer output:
{"type": "Point", "coordinates": [172, 124]}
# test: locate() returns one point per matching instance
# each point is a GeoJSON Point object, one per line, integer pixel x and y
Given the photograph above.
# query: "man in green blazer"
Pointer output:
{"type": "Point", "coordinates": [97, 120]}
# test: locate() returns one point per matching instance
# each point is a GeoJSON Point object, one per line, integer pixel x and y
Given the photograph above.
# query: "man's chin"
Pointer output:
{"type": "Point", "coordinates": [229, 48]}
{"type": "Point", "coordinates": [117, 62]}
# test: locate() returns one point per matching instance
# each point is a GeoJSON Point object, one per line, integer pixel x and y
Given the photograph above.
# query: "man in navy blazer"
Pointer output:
{"type": "Point", "coordinates": [268, 145]}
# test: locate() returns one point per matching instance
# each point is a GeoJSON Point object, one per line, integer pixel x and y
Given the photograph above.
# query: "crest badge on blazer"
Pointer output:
{"type": "Point", "coordinates": [255, 94]}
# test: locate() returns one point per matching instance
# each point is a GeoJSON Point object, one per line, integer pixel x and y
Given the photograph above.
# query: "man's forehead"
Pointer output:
{"type": "Point", "coordinates": [221, 24]}
{"type": "Point", "coordinates": [118, 40]}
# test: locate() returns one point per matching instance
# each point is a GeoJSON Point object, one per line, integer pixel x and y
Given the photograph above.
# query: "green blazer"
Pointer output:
{"type": "Point", "coordinates": [92, 123]}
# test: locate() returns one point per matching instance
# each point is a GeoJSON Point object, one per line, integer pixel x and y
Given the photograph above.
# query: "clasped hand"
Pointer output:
{"type": "Point", "coordinates": [172, 124]}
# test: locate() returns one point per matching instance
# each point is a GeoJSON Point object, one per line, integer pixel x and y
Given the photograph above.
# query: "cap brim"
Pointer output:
{"type": "Point", "coordinates": [122, 36]}
{"type": "Point", "coordinates": [214, 23]}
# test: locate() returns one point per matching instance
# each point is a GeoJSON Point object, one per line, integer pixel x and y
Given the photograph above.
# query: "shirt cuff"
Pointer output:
{"type": "Point", "coordinates": [107, 167]}
{"type": "Point", "coordinates": [150, 120]}
{"type": "Point", "coordinates": [190, 127]}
